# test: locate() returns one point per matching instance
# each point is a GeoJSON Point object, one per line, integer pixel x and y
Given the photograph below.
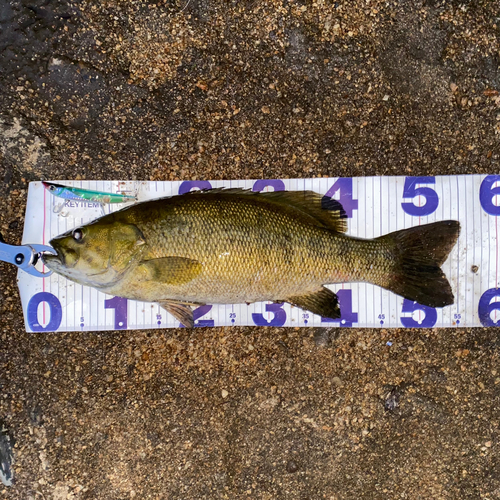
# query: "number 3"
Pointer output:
{"type": "Point", "coordinates": [279, 316]}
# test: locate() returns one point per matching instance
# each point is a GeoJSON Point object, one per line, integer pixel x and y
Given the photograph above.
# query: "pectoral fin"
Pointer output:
{"type": "Point", "coordinates": [181, 312]}
{"type": "Point", "coordinates": [323, 302]}
{"type": "Point", "coordinates": [170, 270]}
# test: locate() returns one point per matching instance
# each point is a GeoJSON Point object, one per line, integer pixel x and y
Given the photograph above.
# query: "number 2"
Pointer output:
{"type": "Point", "coordinates": [187, 186]}
{"type": "Point", "coordinates": [198, 313]}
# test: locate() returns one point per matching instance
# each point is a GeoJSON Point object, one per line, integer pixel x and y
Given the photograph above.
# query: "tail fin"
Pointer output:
{"type": "Point", "coordinates": [419, 253]}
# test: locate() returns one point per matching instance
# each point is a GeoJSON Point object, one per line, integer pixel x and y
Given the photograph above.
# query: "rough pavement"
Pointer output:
{"type": "Point", "coordinates": [227, 90]}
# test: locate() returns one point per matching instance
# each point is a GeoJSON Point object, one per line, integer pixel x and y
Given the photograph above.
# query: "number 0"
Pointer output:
{"type": "Point", "coordinates": [55, 312]}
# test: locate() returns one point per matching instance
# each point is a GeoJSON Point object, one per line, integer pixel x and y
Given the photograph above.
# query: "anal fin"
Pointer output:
{"type": "Point", "coordinates": [323, 302]}
{"type": "Point", "coordinates": [181, 312]}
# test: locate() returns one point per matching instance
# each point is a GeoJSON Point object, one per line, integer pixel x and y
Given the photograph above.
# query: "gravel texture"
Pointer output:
{"type": "Point", "coordinates": [228, 90]}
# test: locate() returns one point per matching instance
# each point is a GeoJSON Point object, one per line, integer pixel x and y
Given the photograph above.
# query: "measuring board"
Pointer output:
{"type": "Point", "coordinates": [374, 205]}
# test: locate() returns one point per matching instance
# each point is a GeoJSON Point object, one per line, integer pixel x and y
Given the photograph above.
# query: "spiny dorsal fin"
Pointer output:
{"type": "Point", "coordinates": [325, 211]}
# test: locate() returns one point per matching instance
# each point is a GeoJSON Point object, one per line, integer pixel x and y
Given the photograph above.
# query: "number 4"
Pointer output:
{"type": "Point", "coordinates": [344, 186]}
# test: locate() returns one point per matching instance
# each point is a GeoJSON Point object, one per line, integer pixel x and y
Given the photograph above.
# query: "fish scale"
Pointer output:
{"type": "Point", "coordinates": [249, 253]}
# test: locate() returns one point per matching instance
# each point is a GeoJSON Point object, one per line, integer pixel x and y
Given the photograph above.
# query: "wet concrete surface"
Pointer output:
{"type": "Point", "coordinates": [230, 90]}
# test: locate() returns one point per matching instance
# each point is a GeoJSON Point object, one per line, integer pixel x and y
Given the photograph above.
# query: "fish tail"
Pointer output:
{"type": "Point", "coordinates": [418, 254]}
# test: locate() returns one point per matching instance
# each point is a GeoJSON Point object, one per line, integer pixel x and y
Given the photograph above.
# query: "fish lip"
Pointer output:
{"type": "Point", "coordinates": [58, 257]}
{"type": "Point", "coordinates": [49, 258]}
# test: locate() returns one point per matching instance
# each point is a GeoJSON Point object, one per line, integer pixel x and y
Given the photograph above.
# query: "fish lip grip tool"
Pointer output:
{"type": "Point", "coordinates": [24, 257]}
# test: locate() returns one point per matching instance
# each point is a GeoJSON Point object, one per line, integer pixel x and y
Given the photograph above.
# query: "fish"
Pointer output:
{"type": "Point", "coordinates": [79, 194]}
{"type": "Point", "coordinates": [233, 246]}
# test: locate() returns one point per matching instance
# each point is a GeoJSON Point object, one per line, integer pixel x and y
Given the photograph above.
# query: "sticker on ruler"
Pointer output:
{"type": "Point", "coordinates": [374, 205]}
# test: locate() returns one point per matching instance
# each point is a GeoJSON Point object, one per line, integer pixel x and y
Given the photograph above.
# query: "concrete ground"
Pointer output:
{"type": "Point", "coordinates": [192, 89]}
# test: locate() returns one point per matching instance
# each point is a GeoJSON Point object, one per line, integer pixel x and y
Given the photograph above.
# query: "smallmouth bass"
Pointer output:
{"type": "Point", "coordinates": [229, 246]}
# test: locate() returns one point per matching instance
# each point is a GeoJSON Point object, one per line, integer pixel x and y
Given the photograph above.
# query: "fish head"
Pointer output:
{"type": "Point", "coordinates": [97, 254]}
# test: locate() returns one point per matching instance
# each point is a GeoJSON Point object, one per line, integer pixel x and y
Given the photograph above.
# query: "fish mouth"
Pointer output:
{"type": "Point", "coordinates": [52, 261]}
{"type": "Point", "coordinates": [62, 259]}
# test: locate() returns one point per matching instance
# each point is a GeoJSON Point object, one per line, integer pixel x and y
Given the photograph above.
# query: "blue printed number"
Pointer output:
{"type": "Point", "coordinates": [487, 306]}
{"type": "Point", "coordinates": [276, 184]}
{"type": "Point", "coordinates": [187, 186]}
{"type": "Point", "coordinates": [487, 193]}
{"type": "Point", "coordinates": [347, 316]}
{"type": "Point", "coordinates": [198, 313]}
{"type": "Point", "coordinates": [119, 304]}
{"type": "Point", "coordinates": [411, 191]}
{"type": "Point", "coordinates": [279, 316]}
{"type": "Point", "coordinates": [54, 308]}
{"type": "Point", "coordinates": [430, 318]}
{"type": "Point", "coordinates": [344, 186]}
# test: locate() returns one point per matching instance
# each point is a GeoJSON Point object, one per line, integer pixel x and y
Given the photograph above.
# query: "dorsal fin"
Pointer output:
{"type": "Point", "coordinates": [327, 212]}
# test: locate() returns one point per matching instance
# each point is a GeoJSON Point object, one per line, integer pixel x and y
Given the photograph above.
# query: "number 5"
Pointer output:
{"type": "Point", "coordinates": [411, 190]}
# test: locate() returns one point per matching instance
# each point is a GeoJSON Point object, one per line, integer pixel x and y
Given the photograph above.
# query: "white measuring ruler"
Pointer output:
{"type": "Point", "coordinates": [375, 206]}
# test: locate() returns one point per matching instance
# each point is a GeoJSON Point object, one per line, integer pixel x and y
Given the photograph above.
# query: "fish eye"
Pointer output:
{"type": "Point", "coordinates": [52, 188]}
{"type": "Point", "coordinates": [77, 234]}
